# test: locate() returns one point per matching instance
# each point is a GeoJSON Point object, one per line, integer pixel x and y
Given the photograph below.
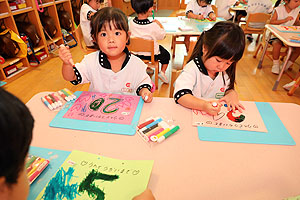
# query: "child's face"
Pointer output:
{"type": "Point", "coordinates": [293, 4]}
{"type": "Point", "coordinates": [94, 4]}
{"type": "Point", "coordinates": [112, 41]}
{"type": "Point", "coordinates": [216, 64]}
{"type": "Point", "coordinates": [202, 3]}
{"type": "Point", "coordinates": [18, 190]}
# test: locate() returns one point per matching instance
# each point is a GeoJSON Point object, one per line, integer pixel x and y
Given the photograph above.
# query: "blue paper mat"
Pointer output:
{"type": "Point", "coordinates": [2, 83]}
{"type": "Point", "coordinates": [104, 127]}
{"type": "Point", "coordinates": [56, 157]}
{"type": "Point", "coordinates": [286, 30]}
{"type": "Point", "coordinates": [277, 133]}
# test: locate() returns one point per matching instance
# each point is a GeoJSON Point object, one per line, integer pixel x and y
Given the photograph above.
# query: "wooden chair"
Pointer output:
{"type": "Point", "coordinates": [255, 18]}
{"type": "Point", "coordinates": [82, 45]}
{"type": "Point", "coordinates": [143, 45]}
{"type": "Point", "coordinates": [176, 72]}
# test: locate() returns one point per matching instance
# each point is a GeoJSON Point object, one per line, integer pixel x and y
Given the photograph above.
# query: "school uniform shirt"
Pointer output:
{"type": "Point", "coordinates": [194, 7]}
{"type": "Point", "coordinates": [96, 70]}
{"type": "Point", "coordinates": [149, 30]}
{"type": "Point", "coordinates": [195, 80]}
{"type": "Point", "coordinates": [258, 6]}
{"type": "Point", "coordinates": [85, 23]}
{"type": "Point", "coordinates": [282, 14]}
{"type": "Point", "coordinates": [223, 8]}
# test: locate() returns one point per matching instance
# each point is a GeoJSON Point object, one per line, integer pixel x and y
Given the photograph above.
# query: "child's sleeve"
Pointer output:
{"type": "Point", "coordinates": [81, 71]}
{"type": "Point", "coordinates": [86, 13]}
{"type": "Point", "coordinates": [189, 7]}
{"type": "Point", "coordinates": [143, 79]}
{"type": "Point", "coordinates": [209, 11]}
{"type": "Point", "coordinates": [158, 32]}
{"type": "Point", "coordinates": [185, 82]}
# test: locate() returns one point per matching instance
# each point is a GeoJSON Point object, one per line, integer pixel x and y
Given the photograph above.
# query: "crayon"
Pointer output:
{"type": "Point", "coordinates": [46, 103]}
{"type": "Point", "coordinates": [70, 93]}
{"type": "Point", "coordinates": [145, 123]}
{"type": "Point", "coordinates": [168, 134]}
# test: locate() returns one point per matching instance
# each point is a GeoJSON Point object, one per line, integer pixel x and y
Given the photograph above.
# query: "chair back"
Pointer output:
{"type": "Point", "coordinates": [215, 9]}
{"type": "Point", "coordinates": [256, 18]}
{"type": "Point", "coordinates": [82, 45]}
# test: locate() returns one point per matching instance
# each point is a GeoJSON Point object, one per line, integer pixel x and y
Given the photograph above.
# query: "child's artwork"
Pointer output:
{"type": "Point", "coordinates": [288, 29]}
{"type": "Point", "coordinates": [249, 120]}
{"type": "Point", "coordinates": [104, 107]}
{"type": "Point", "coordinates": [90, 176]}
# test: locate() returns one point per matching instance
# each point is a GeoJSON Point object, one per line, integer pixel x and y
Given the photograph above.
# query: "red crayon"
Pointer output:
{"type": "Point", "coordinates": [145, 123]}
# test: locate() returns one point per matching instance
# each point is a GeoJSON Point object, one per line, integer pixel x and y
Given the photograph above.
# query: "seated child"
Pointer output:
{"type": "Point", "coordinates": [112, 69]}
{"type": "Point", "coordinates": [200, 9]}
{"type": "Point", "coordinates": [16, 124]}
{"type": "Point", "coordinates": [285, 14]}
{"type": "Point", "coordinates": [223, 8]}
{"type": "Point", "coordinates": [142, 27]}
{"type": "Point", "coordinates": [87, 10]}
{"type": "Point", "coordinates": [210, 72]}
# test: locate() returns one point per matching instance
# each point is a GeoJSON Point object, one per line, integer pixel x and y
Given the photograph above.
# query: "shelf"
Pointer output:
{"type": "Point", "coordinates": [17, 72]}
{"type": "Point", "coordinates": [36, 49]}
{"type": "Point", "coordinates": [4, 15]}
{"type": "Point", "coordinates": [54, 40]}
{"type": "Point", "coordinates": [9, 61]}
{"type": "Point", "coordinates": [23, 10]}
{"type": "Point", "coordinates": [47, 4]}
{"type": "Point", "coordinates": [60, 1]}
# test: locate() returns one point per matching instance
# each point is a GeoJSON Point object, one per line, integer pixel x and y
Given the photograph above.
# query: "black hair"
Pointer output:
{"type": "Point", "coordinates": [141, 6]}
{"type": "Point", "coordinates": [105, 16]}
{"type": "Point", "coordinates": [208, 2]}
{"type": "Point", "coordinates": [16, 124]}
{"type": "Point", "coordinates": [225, 40]}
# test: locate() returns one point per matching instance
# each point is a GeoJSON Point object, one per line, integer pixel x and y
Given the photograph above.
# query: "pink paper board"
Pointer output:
{"type": "Point", "coordinates": [103, 107]}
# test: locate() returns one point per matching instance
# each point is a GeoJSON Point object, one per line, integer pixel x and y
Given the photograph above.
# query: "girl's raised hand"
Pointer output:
{"type": "Point", "coordinates": [146, 95]}
{"type": "Point", "coordinates": [212, 109]}
{"type": "Point", "coordinates": [65, 55]}
{"type": "Point", "coordinates": [232, 101]}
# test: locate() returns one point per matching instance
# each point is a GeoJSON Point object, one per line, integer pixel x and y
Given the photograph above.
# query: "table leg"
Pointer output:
{"type": "Point", "coordinates": [259, 66]}
{"type": "Point", "coordinates": [283, 68]}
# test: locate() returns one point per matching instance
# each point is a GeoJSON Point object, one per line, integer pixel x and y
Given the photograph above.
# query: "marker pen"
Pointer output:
{"type": "Point", "coordinates": [145, 123]}
{"type": "Point", "coordinates": [214, 104]}
{"type": "Point", "coordinates": [53, 100]}
{"type": "Point", "coordinates": [67, 95]}
{"type": "Point", "coordinates": [166, 135]}
{"type": "Point", "coordinates": [50, 101]}
{"type": "Point", "coordinates": [145, 129]}
{"type": "Point", "coordinates": [63, 95]}
{"type": "Point", "coordinates": [57, 99]}
{"type": "Point", "coordinates": [70, 93]}
{"type": "Point", "coordinates": [153, 14]}
{"type": "Point", "coordinates": [159, 130]}
{"type": "Point", "coordinates": [46, 103]}
{"type": "Point", "coordinates": [146, 97]}
{"type": "Point", "coordinates": [154, 138]}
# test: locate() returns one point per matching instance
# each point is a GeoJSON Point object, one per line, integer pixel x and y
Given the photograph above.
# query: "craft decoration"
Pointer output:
{"type": "Point", "coordinates": [90, 176]}
{"type": "Point", "coordinates": [249, 119]}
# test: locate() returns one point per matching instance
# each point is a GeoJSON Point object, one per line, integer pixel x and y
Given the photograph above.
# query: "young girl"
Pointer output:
{"type": "Point", "coordinates": [87, 10]}
{"type": "Point", "coordinates": [200, 9]}
{"type": "Point", "coordinates": [112, 69]}
{"type": "Point", "coordinates": [285, 14]}
{"type": "Point", "coordinates": [210, 72]}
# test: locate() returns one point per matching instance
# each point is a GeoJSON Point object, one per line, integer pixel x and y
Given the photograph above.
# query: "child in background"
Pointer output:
{"type": "Point", "coordinates": [200, 9]}
{"type": "Point", "coordinates": [240, 13]}
{"type": "Point", "coordinates": [210, 72]}
{"type": "Point", "coordinates": [142, 27]}
{"type": "Point", "coordinates": [112, 69]}
{"type": "Point", "coordinates": [223, 8]}
{"type": "Point", "coordinates": [285, 14]}
{"type": "Point", "coordinates": [16, 124]}
{"type": "Point", "coordinates": [87, 10]}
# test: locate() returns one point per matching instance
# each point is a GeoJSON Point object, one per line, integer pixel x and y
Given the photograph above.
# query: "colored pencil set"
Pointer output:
{"type": "Point", "coordinates": [155, 130]}
{"type": "Point", "coordinates": [34, 166]}
{"type": "Point", "coordinates": [56, 99]}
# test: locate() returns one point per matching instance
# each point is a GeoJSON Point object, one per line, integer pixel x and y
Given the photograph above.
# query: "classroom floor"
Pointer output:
{"type": "Point", "coordinates": [251, 84]}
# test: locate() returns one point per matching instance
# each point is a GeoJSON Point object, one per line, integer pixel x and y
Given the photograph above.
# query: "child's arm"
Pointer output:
{"type": "Point", "coordinates": [67, 67]}
{"type": "Point", "coordinates": [194, 16]}
{"type": "Point", "coordinates": [232, 100]}
{"type": "Point", "coordinates": [277, 22]}
{"type": "Point", "coordinates": [146, 95]}
{"type": "Point", "coordinates": [159, 24]}
{"type": "Point", "coordinates": [193, 102]}
{"type": "Point", "coordinates": [212, 16]}
{"type": "Point", "coordinates": [146, 195]}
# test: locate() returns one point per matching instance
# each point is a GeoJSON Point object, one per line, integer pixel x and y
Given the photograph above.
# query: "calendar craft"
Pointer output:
{"type": "Point", "coordinates": [249, 120]}
{"type": "Point", "coordinates": [103, 107]}
{"type": "Point", "coordinates": [90, 176]}
{"type": "Point", "coordinates": [287, 29]}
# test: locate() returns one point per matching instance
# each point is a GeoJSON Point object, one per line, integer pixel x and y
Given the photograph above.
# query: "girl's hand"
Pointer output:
{"type": "Point", "coordinates": [200, 17]}
{"type": "Point", "coordinates": [232, 101]}
{"type": "Point", "coordinates": [65, 55]}
{"type": "Point", "coordinates": [212, 16]}
{"type": "Point", "coordinates": [212, 109]}
{"type": "Point", "coordinates": [146, 95]}
{"type": "Point", "coordinates": [289, 18]}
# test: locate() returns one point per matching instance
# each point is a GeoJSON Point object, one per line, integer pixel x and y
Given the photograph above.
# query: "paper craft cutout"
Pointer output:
{"type": "Point", "coordinates": [90, 176]}
{"type": "Point", "coordinates": [249, 120]}
{"type": "Point", "coordinates": [287, 29]}
{"type": "Point", "coordinates": [104, 107]}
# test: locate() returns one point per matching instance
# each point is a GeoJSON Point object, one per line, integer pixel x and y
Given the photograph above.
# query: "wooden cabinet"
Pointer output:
{"type": "Point", "coordinates": [125, 6]}
{"type": "Point", "coordinates": [9, 17]}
